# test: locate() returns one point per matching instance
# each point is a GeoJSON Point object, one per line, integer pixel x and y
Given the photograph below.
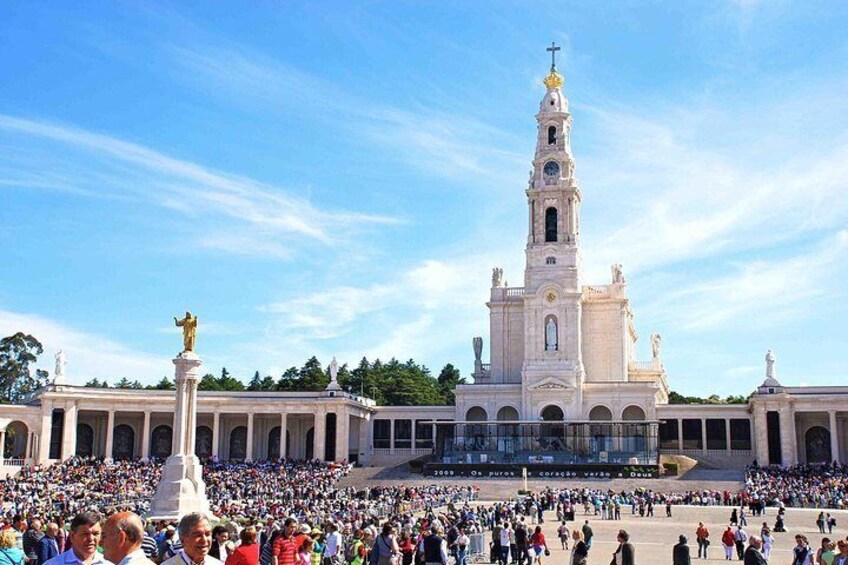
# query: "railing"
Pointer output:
{"type": "Point", "coordinates": [486, 367]}
{"type": "Point", "coordinates": [643, 366]}
{"type": "Point", "coordinates": [515, 291]}
{"type": "Point", "coordinates": [12, 462]}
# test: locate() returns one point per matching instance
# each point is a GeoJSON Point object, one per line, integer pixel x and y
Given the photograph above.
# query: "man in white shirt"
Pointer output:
{"type": "Point", "coordinates": [333, 546]}
{"type": "Point", "coordinates": [122, 537]}
{"type": "Point", "coordinates": [195, 533]}
{"type": "Point", "coordinates": [84, 538]}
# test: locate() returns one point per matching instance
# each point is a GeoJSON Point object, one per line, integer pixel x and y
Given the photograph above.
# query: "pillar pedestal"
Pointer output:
{"type": "Point", "coordinates": [181, 489]}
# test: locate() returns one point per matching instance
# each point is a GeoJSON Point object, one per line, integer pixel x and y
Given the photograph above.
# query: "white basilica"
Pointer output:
{"type": "Point", "coordinates": [562, 385]}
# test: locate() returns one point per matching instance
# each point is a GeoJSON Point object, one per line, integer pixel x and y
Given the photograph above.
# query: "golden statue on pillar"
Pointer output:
{"type": "Point", "coordinates": [189, 326]}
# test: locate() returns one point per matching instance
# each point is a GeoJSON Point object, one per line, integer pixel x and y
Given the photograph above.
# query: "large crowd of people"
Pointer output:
{"type": "Point", "coordinates": [296, 513]}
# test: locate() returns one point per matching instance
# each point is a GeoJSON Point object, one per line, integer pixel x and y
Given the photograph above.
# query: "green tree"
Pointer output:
{"type": "Point", "coordinates": [208, 382]}
{"type": "Point", "coordinates": [448, 378]}
{"type": "Point", "coordinates": [17, 352]}
{"type": "Point", "coordinates": [228, 382]}
{"type": "Point", "coordinates": [123, 383]}
{"type": "Point", "coordinates": [164, 384]}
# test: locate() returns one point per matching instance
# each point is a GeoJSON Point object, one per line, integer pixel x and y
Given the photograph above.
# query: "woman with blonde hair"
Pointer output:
{"type": "Point", "coordinates": [9, 552]}
{"type": "Point", "coordinates": [579, 551]}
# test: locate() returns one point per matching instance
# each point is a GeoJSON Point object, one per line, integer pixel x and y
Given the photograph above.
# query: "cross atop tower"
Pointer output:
{"type": "Point", "coordinates": [553, 49]}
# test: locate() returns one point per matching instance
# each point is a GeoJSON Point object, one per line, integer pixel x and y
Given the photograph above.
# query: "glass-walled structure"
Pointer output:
{"type": "Point", "coordinates": [554, 442]}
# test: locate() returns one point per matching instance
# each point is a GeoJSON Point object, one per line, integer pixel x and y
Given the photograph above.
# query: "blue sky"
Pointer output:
{"type": "Point", "coordinates": [338, 178]}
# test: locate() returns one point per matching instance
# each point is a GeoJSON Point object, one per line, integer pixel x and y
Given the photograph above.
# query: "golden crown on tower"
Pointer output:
{"type": "Point", "coordinates": [554, 79]}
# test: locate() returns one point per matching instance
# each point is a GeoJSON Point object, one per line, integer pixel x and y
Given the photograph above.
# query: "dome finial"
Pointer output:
{"type": "Point", "coordinates": [554, 79]}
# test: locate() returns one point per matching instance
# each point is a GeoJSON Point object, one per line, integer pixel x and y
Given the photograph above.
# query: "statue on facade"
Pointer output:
{"type": "Point", "coordinates": [497, 277]}
{"type": "Point", "coordinates": [550, 335]}
{"type": "Point", "coordinates": [769, 364]}
{"type": "Point", "coordinates": [334, 370]}
{"type": "Point", "coordinates": [477, 343]}
{"type": "Point", "coordinates": [59, 374]}
{"type": "Point", "coordinates": [189, 326]}
{"type": "Point", "coordinates": [617, 274]}
{"type": "Point", "coordinates": [656, 345]}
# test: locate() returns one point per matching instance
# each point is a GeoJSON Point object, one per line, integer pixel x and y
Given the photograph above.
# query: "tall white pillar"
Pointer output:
{"type": "Point", "coordinates": [319, 434]}
{"type": "Point", "coordinates": [2, 446]}
{"type": "Point", "coordinates": [727, 434]}
{"type": "Point", "coordinates": [69, 432]}
{"type": "Point", "coordinates": [759, 433]}
{"type": "Point", "coordinates": [679, 434]}
{"type": "Point", "coordinates": [28, 451]}
{"type": "Point", "coordinates": [834, 436]}
{"type": "Point", "coordinates": [392, 437]}
{"type": "Point", "coordinates": [704, 435]}
{"type": "Point", "coordinates": [788, 440]}
{"type": "Point", "coordinates": [283, 428]}
{"type": "Point", "coordinates": [364, 441]}
{"type": "Point", "coordinates": [342, 435]}
{"type": "Point", "coordinates": [249, 452]}
{"type": "Point", "coordinates": [44, 432]}
{"type": "Point", "coordinates": [181, 489]}
{"type": "Point", "coordinates": [110, 433]}
{"type": "Point", "coordinates": [145, 436]}
{"type": "Point", "coordinates": [216, 425]}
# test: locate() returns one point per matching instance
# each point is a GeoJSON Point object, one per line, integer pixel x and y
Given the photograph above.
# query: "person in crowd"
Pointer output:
{"type": "Point", "coordinates": [247, 552]}
{"type": "Point", "coordinates": [123, 534]}
{"type": "Point", "coordinates": [407, 547]}
{"type": "Point", "coordinates": [740, 536]}
{"type": "Point", "coordinates": [333, 548]}
{"type": "Point", "coordinates": [30, 539]}
{"type": "Point", "coordinates": [436, 548]}
{"type": "Point", "coordinates": [286, 546]}
{"type": "Point", "coordinates": [359, 551]}
{"type": "Point", "coordinates": [625, 553]}
{"type": "Point", "coordinates": [10, 554]}
{"type": "Point", "coordinates": [195, 533]}
{"type": "Point", "coordinates": [588, 534]}
{"type": "Point", "coordinates": [702, 536]}
{"type": "Point", "coordinates": [680, 552]}
{"type": "Point", "coordinates": [768, 543]}
{"type": "Point", "coordinates": [826, 553]}
{"type": "Point", "coordinates": [728, 541]}
{"type": "Point", "coordinates": [48, 546]}
{"type": "Point", "coordinates": [84, 537]}
{"type": "Point", "coordinates": [385, 550]}
{"type": "Point", "coordinates": [221, 544]}
{"type": "Point", "coordinates": [505, 542]}
{"type": "Point", "coordinates": [801, 553]}
{"type": "Point", "coordinates": [752, 553]}
{"type": "Point", "coordinates": [842, 555]}
{"type": "Point", "coordinates": [579, 550]}
{"type": "Point", "coordinates": [564, 533]}
{"type": "Point", "coordinates": [820, 522]}
{"type": "Point", "coordinates": [304, 552]}
{"type": "Point", "coordinates": [539, 546]}
{"type": "Point", "coordinates": [461, 545]}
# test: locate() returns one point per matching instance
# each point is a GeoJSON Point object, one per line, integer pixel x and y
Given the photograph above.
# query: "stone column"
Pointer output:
{"type": "Point", "coordinates": [2, 446]}
{"type": "Point", "coordinates": [110, 433]}
{"type": "Point", "coordinates": [787, 435]}
{"type": "Point", "coordinates": [249, 451]}
{"type": "Point", "coordinates": [364, 439]}
{"type": "Point", "coordinates": [181, 489]}
{"type": "Point", "coordinates": [680, 434]}
{"type": "Point", "coordinates": [283, 428]}
{"type": "Point", "coordinates": [44, 433]}
{"type": "Point", "coordinates": [834, 436]}
{"type": "Point", "coordinates": [342, 435]}
{"type": "Point", "coordinates": [319, 434]}
{"type": "Point", "coordinates": [216, 425]}
{"type": "Point", "coordinates": [27, 454]}
{"type": "Point", "coordinates": [178, 441]}
{"type": "Point", "coordinates": [704, 435]}
{"type": "Point", "coordinates": [392, 437]}
{"type": "Point", "coordinates": [759, 434]}
{"type": "Point", "coordinates": [69, 432]}
{"type": "Point", "coordinates": [727, 434]}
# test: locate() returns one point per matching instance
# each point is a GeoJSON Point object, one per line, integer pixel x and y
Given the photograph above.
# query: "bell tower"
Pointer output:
{"type": "Point", "coordinates": [552, 372]}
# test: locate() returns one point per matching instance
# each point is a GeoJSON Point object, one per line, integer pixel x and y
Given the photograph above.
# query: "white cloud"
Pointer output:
{"type": "Point", "coordinates": [88, 355]}
{"type": "Point", "coordinates": [85, 160]}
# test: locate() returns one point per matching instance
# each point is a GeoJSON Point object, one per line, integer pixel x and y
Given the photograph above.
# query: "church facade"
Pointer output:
{"type": "Point", "coordinates": [562, 384]}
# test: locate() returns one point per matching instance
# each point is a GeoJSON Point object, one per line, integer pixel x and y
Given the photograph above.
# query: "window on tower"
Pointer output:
{"type": "Point", "coordinates": [552, 135]}
{"type": "Point", "coordinates": [551, 224]}
{"type": "Point", "coordinates": [550, 260]}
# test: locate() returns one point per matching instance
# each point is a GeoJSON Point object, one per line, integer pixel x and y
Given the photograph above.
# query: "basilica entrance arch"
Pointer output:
{"type": "Point", "coordinates": [817, 445]}
{"type": "Point", "coordinates": [274, 443]}
{"type": "Point", "coordinates": [552, 436]}
{"type": "Point", "coordinates": [203, 442]}
{"type": "Point", "coordinates": [238, 443]}
{"type": "Point", "coordinates": [16, 440]}
{"type": "Point", "coordinates": [161, 441]}
{"type": "Point", "coordinates": [633, 436]}
{"type": "Point", "coordinates": [85, 440]}
{"type": "Point", "coordinates": [601, 434]}
{"type": "Point", "coordinates": [124, 443]}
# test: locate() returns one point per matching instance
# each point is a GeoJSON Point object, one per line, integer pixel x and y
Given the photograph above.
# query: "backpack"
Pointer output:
{"type": "Point", "coordinates": [351, 551]}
